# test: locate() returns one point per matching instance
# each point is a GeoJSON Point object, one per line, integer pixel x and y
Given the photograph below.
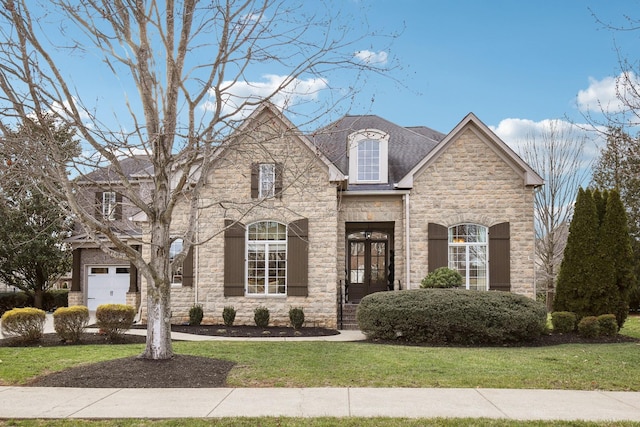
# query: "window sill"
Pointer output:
{"type": "Point", "coordinates": [265, 296]}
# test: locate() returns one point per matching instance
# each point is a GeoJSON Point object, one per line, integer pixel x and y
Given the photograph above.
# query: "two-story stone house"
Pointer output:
{"type": "Point", "coordinates": [363, 205]}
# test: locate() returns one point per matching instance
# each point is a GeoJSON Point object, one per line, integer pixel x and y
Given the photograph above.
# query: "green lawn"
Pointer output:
{"type": "Point", "coordinates": [319, 364]}
{"type": "Point", "coordinates": [335, 364]}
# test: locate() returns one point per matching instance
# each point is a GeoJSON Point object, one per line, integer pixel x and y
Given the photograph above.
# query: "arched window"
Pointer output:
{"type": "Point", "coordinates": [266, 258]}
{"type": "Point", "coordinates": [368, 157]}
{"type": "Point", "coordinates": [468, 254]}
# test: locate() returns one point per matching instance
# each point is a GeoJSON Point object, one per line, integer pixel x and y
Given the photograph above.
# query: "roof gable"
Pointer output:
{"type": "Point", "coordinates": [406, 146]}
{"type": "Point", "coordinates": [335, 174]}
{"type": "Point", "coordinates": [471, 122]}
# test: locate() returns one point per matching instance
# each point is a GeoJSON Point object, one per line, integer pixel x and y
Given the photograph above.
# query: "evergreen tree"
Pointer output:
{"type": "Point", "coordinates": [578, 269]}
{"type": "Point", "coordinates": [617, 257]}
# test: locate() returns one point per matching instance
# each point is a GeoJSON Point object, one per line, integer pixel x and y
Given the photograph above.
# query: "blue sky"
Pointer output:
{"type": "Point", "coordinates": [515, 64]}
{"type": "Point", "coordinates": [502, 60]}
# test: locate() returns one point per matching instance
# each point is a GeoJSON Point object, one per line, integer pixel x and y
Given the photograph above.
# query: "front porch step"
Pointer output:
{"type": "Point", "coordinates": [349, 321]}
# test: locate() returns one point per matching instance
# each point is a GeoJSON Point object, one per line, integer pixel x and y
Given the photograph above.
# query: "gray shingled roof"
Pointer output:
{"type": "Point", "coordinates": [133, 167]}
{"type": "Point", "coordinates": [407, 146]}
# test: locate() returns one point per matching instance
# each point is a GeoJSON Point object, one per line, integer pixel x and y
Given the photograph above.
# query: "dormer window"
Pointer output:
{"type": "Point", "coordinates": [368, 157]}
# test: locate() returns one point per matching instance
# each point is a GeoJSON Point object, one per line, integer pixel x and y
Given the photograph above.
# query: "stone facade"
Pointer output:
{"type": "Point", "coordinates": [471, 183]}
{"type": "Point", "coordinates": [307, 193]}
{"type": "Point", "coordinates": [469, 178]}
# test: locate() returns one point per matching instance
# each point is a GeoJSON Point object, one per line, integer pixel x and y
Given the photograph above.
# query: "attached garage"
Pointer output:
{"type": "Point", "coordinates": [107, 284]}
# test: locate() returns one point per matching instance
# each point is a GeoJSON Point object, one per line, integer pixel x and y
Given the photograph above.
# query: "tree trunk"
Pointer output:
{"type": "Point", "coordinates": [158, 323]}
{"type": "Point", "coordinates": [38, 298]}
{"type": "Point", "coordinates": [159, 296]}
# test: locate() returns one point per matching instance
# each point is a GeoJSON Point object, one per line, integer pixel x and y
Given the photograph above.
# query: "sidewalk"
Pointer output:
{"type": "Point", "coordinates": [42, 402]}
{"type": "Point", "coordinates": [36, 402]}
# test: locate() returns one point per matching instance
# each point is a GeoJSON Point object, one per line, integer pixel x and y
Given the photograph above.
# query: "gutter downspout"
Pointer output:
{"type": "Point", "coordinates": [407, 242]}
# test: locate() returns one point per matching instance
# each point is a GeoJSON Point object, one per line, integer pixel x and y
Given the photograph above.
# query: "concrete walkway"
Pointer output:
{"type": "Point", "coordinates": [43, 402]}
{"type": "Point", "coordinates": [36, 402]}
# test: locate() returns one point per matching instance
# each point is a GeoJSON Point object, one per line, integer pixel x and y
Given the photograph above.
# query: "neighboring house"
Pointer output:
{"type": "Point", "coordinates": [98, 278]}
{"type": "Point", "coordinates": [360, 206]}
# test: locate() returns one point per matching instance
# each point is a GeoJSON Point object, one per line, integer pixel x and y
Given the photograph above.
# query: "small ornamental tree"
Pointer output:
{"type": "Point", "coordinates": [578, 269]}
{"type": "Point", "coordinates": [597, 272]}
{"type": "Point", "coordinates": [617, 256]}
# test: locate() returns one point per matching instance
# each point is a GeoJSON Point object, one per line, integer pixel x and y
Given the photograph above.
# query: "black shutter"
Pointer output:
{"type": "Point", "coordinates": [118, 211]}
{"type": "Point", "coordinates": [98, 205]}
{"type": "Point", "coordinates": [499, 258]}
{"type": "Point", "coordinates": [255, 180]}
{"type": "Point", "coordinates": [298, 258]}
{"type": "Point", "coordinates": [438, 255]}
{"type": "Point", "coordinates": [76, 271]}
{"type": "Point", "coordinates": [234, 266]}
{"type": "Point", "coordinates": [187, 269]}
{"type": "Point", "coordinates": [133, 273]}
{"type": "Point", "coordinates": [278, 183]}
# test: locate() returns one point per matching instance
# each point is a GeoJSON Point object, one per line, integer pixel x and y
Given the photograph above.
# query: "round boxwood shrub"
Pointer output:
{"type": "Point", "coordinates": [228, 315]}
{"type": "Point", "coordinates": [115, 319]}
{"type": "Point", "coordinates": [261, 317]}
{"type": "Point", "coordinates": [26, 324]}
{"type": "Point", "coordinates": [443, 277]}
{"type": "Point", "coordinates": [70, 322]}
{"type": "Point", "coordinates": [608, 325]}
{"type": "Point", "coordinates": [195, 315]}
{"type": "Point", "coordinates": [588, 327]}
{"type": "Point", "coordinates": [451, 316]}
{"type": "Point", "coordinates": [296, 316]}
{"type": "Point", "coordinates": [563, 322]}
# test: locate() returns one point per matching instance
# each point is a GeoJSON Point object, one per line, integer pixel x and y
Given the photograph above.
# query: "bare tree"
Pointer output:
{"type": "Point", "coordinates": [557, 154]}
{"type": "Point", "coordinates": [186, 63]}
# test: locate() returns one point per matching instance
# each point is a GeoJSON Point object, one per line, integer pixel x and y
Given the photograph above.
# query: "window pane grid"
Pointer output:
{"type": "Point", "coordinates": [468, 254]}
{"type": "Point", "coordinates": [267, 179]}
{"type": "Point", "coordinates": [369, 161]}
{"type": "Point", "coordinates": [266, 258]}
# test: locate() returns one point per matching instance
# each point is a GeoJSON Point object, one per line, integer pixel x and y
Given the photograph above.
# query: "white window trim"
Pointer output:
{"type": "Point", "coordinates": [466, 245]}
{"type": "Point", "coordinates": [109, 201]}
{"type": "Point", "coordinates": [267, 180]}
{"type": "Point", "coordinates": [266, 293]}
{"type": "Point", "coordinates": [354, 141]}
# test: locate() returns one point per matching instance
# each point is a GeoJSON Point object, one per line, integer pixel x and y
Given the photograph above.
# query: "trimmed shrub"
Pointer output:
{"type": "Point", "coordinates": [442, 277]}
{"type": "Point", "coordinates": [261, 316]}
{"type": "Point", "coordinates": [563, 322]}
{"type": "Point", "coordinates": [296, 316]}
{"type": "Point", "coordinates": [228, 315]}
{"type": "Point", "coordinates": [608, 325]}
{"type": "Point", "coordinates": [195, 315]}
{"type": "Point", "coordinates": [70, 322]}
{"type": "Point", "coordinates": [115, 319]}
{"type": "Point", "coordinates": [455, 316]}
{"type": "Point", "coordinates": [588, 327]}
{"type": "Point", "coordinates": [27, 324]}
{"type": "Point", "coordinates": [11, 300]}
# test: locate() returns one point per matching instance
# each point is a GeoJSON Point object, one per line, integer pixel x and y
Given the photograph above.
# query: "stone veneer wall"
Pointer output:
{"type": "Point", "coordinates": [470, 183]}
{"type": "Point", "coordinates": [354, 208]}
{"type": "Point", "coordinates": [307, 194]}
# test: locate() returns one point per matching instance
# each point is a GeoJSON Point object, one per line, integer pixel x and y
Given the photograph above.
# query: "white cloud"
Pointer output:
{"type": "Point", "coordinates": [604, 95]}
{"type": "Point", "coordinates": [282, 91]}
{"type": "Point", "coordinates": [516, 132]}
{"type": "Point", "coordinates": [374, 58]}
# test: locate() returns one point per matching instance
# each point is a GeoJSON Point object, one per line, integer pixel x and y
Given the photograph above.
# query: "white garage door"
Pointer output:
{"type": "Point", "coordinates": [107, 284]}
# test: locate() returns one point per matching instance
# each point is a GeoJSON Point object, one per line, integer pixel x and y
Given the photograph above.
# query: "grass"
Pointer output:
{"type": "Point", "coordinates": [319, 364]}
{"type": "Point", "coordinates": [309, 422]}
{"type": "Point", "coordinates": [335, 364]}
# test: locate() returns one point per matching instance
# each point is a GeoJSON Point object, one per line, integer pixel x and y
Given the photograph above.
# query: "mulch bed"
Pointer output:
{"type": "Point", "coordinates": [183, 371]}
